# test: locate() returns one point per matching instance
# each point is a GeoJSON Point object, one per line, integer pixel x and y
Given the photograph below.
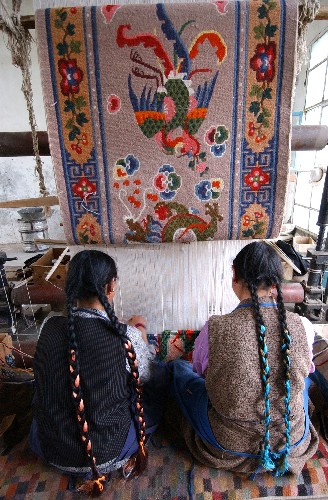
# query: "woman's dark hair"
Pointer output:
{"type": "Point", "coordinates": [89, 274]}
{"type": "Point", "coordinates": [259, 265]}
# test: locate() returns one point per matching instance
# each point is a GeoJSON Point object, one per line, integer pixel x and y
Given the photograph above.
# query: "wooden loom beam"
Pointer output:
{"type": "Point", "coordinates": [29, 21]}
{"type": "Point", "coordinates": [13, 144]}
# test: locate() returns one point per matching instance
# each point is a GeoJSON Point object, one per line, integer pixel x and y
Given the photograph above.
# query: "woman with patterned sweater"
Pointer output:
{"type": "Point", "coordinates": [243, 401]}
{"type": "Point", "coordinates": [90, 375]}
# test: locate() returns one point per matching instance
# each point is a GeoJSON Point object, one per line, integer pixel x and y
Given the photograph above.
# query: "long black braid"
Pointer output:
{"type": "Point", "coordinates": [90, 272]}
{"type": "Point", "coordinates": [258, 265]}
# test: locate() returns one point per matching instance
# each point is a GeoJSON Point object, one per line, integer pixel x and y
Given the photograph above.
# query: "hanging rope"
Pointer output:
{"type": "Point", "coordinates": [19, 42]}
{"type": "Point", "coordinates": [307, 11]}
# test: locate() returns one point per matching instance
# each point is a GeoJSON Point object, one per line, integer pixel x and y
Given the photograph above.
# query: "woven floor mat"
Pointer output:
{"type": "Point", "coordinates": [171, 475]}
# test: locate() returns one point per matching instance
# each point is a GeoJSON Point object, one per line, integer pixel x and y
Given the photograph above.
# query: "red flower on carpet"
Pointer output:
{"type": "Point", "coordinates": [113, 104]}
{"type": "Point", "coordinates": [71, 74]}
{"type": "Point", "coordinates": [108, 12]}
{"type": "Point", "coordinates": [263, 61]}
{"type": "Point", "coordinates": [84, 188]}
{"type": "Point", "coordinates": [91, 228]}
{"type": "Point", "coordinates": [163, 212]}
{"type": "Point", "coordinates": [247, 220]}
{"type": "Point", "coordinates": [257, 178]}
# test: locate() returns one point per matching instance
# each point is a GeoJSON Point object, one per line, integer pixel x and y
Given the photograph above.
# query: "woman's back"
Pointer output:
{"type": "Point", "coordinates": [233, 383]}
{"type": "Point", "coordinates": [105, 391]}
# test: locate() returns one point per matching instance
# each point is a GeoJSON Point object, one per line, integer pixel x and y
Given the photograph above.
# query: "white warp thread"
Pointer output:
{"type": "Point", "coordinates": [175, 286]}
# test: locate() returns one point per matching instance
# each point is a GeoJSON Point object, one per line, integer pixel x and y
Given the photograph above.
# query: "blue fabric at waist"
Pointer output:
{"type": "Point", "coordinates": [213, 442]}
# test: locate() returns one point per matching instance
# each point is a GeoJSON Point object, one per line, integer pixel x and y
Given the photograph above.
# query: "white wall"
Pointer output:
{"type": "Point", "coordinates": [17, 175]}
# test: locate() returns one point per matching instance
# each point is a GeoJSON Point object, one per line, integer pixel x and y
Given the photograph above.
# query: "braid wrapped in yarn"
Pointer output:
{"type": "Point", "coordinates": [266, 459]}
{"type": "Point", "coordinates": [258, 265]}
{"type": "Point", "coordinates": [95, 486]}
{"type": "Point", "coordinates": [90, 272]}
{"type": "Point", "coordinates": [283, 464]}
{"type": "Point", "coordinates": [138, 462]}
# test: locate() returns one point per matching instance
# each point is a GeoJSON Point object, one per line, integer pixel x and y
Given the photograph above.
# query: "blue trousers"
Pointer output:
{"type": "Point", "coordinates": [189, 391]}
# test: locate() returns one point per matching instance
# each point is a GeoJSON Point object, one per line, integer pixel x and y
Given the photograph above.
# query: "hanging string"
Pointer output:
{"type": "Point", "coordinates": [19, 42]}
{"type": "Point", "coordinates": [307, 11]}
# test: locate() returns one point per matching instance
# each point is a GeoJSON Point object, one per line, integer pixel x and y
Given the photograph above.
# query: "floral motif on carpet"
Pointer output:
{"type": "Point", "coordinates": [169, 122]}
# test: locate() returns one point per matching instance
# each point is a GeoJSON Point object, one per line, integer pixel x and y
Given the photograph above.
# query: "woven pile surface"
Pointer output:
{"type": "Point", "coordinates": [169, 122]}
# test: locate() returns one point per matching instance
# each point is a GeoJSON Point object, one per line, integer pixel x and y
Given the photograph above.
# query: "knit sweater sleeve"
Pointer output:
{"type": "Point", "coordinates": [145, 353]}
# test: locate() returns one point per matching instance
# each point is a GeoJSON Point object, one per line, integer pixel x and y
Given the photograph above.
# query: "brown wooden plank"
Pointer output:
{"type": "Point", "coordinates": [43, 201]}
{"type": "Point", "coordinates": [20, 144]}
{"type": "Point", "coordinates": [29, 21]}
{"type": "Point", "coordinates": [322, 14]}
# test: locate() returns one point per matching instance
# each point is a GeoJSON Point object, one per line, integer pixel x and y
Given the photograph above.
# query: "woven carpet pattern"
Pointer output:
{"type": "Point", "coordinates": [169, 122]}
{"type": "Point", "coordinates": [167, 477]}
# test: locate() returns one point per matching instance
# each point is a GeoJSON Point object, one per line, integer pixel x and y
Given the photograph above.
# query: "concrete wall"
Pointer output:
{"type": "Point", "coordinates": [17, 175]}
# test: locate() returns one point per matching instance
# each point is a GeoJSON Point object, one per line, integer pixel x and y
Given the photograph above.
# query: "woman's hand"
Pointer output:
{"type": "Point", "coordinates": [140, 323]}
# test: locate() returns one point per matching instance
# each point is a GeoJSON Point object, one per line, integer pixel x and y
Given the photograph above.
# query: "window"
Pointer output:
{"type": "Point", "coordinates": [309, 163]}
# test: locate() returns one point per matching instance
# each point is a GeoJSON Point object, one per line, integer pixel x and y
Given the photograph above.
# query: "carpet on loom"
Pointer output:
{"type": "Point", "coordinates": [170, 475]}
{"type": "Point", "coordinates": [169, 122]}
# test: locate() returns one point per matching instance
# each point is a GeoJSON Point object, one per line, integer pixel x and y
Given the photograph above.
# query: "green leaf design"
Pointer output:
{"type": "Point", "coordinates": [63, 15]}
{"type": "Point", "coordinates": [259, 31]}
{"type": "Point", "coordinates": [73, 133]}
{"type": "Point", "coordinates": [272, 5]}
{"type": "Point", "coordinates": [81, 119]}
{"type": "Point", "coordinates": [266, 112]}
{"type": "Point", "coordinates": [267, 93]}
{"type": "Point", "coordinates": [260, 118]}
{"type": "Point", "coordinates": [255, 107]}
{"type": "Point", "coordinates": [80, 102]}
{"type": "Point", "coordinates": [221, 135]}
{"type": "Point", "coordinates": [70, 29]}
{"type": "Point", "coordinates": [202, 155]}
{"type": "Point", "coordinates": [270, 30]}
{"type": "Point", "coordinates": [75, 46]}
{"type": "Point", "coordinates": [247, 233]}
{"type": "Point", "coordinates": [192, 164]}
{"type": "Point", "coordinates": [62, 48]}
{"type": "Point", "coordinates": [262, 12]}
{"type": "Point", "coordinates": [69, 106]}
{"type": "Point", "coordinates": [266, 123]}
{"type": "Point", "coordinates": [70, 123]}
{"type": "Point", "coordinates": [58, 23]}
{"type": "Point", "coordinates": [256, 91]}
{"type": "Point", "coordinates": [121, 162]}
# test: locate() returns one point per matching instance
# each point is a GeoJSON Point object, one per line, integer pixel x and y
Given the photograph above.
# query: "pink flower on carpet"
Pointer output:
{"type": "Point", "coordinates": [263, 61]}
{"type": "Point", "coordinates": [169, 108]}
{"type": "Point", "coordinates": [258, 215]}
{"type": "Point", "coordinates": [108, 12]}
{"type": "Point", "coordinates": [222, 6]}
{"type": "Point", "coordinates": [71, 74]}
{"type": "Point", "coordinates": [113, 104]}
{"type": "Point", "coordinates": [192, 103]}
{"type": "Point", "coordinates": [200, 167]}
{"type": "Point", "coordinates": [190, 144]}
{"type": "Point", "coordinates": [84, 188]}
{"type": "Point", "coordinates": [257, 178]}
